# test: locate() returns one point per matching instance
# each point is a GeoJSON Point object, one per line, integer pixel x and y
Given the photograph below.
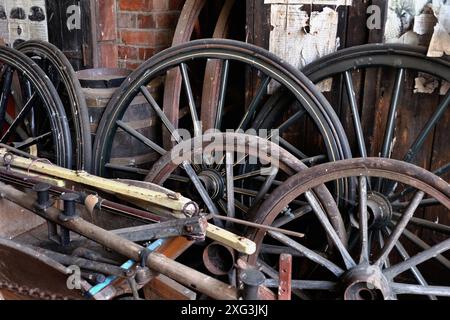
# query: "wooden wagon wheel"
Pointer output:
{"type": "Point", "coordinates": [187, 57]}
{"type": "Point", "coordinates": [386, 257]}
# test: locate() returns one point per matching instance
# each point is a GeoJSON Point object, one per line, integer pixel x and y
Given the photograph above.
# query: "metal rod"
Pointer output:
{"type": "Point", "coordinates": [222, 93]}
{"type": "Point", "coordinates": [133, 132]}
{"type": "Point", "coordinates": [155, 261]}
{"type": "Point", "coordinates": [420, 140]}
{"type": "Point", "coordinates": [19, 118]}
{"type": "Point", "coordinates": [390, 126]}
{"type": "Point", "coordinates": [401, 225]}
{"type": "Point", "coordinates": [254, 103]}
{"type": "Point", "coordinates": [190, 96]}
{"type": "Point", "coordinates": [355, 112]}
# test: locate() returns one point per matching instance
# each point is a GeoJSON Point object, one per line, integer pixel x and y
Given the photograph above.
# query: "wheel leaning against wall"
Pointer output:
{"type": "Point", "coordinates": [189, 59]}
{"type": "Point", "coordinates": [61, 73]}
{"type": "Point", "coordinates": [32, 115]}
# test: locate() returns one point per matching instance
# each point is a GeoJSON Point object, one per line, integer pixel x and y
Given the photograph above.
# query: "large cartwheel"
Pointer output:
{"type": "Point", "coordinates": [32, 115]}
{"type": "Point", "coordinates": [385, 260]}
{"type": "Point", "coordinates": [236, 190]}
{"type": "Point", "coordinates": [61, 73]}
{"type": "Point", "coordinates": [192, 57]}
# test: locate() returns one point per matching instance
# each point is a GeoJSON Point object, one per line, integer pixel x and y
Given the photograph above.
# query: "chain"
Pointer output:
{"type": "Point", "coordinates": [34, 293]}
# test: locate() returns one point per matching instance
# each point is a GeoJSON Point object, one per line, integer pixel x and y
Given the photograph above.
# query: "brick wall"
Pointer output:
{"type": "Point", "coordinates": [144, 27]}
{"type": "Point", "coordinates": [131, 31]}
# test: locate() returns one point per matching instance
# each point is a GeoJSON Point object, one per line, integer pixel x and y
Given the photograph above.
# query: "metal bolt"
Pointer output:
{"type": "Point", "coordinates": [43, 195]}
{"type": "Point", "coordinates": [252, 280]}
{"type": "Point", "coordinates": [70, 204]}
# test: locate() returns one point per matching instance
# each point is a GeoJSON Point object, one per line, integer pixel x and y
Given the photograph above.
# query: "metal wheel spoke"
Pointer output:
{"type": "Point", "coordinates": [248, 175]}
{"type": "Point", "coordinates": [311, 255]}
{"type": "Point", "coordinates": [425, 246]}
{"type": "Point", "coordinates": [305, 285]}
{"type": "Point", "coordinates": [387, 263]}
{"type": "Point", "coordinates": [363, 220]}
{"type": "Point", "coordinates": [405, 256]}
{"type": "Point", "coordinates": [289, 147]}
{"type": "Point", "coordinates": [401, 225]}
{"type": "Point", "coordinates": [18, 120]}
{"type": "Point", "coordinates": [420, 140]}
{"type": "Point", "coordinates": [263, 191]}
{"type": "Point", "coordinates": [292, 119]}
{"type": "Point", "coordinates": [401, 288]}
{"type": "Point", "coordinates": [133, 132]}
{"type": "Point", "coordinates": [417, 259]}
{"type": "Point", "coordinates": [260, 93]}
{"type": "Point", "coordinates": [424, 203]}
{"type": "Point", "coordinates": [279, 222]}
{"type": "Point", "coordinates": [169, 126]}
{"type": "Point", "coordinates": [20, 132]}
{"type": "Point", "coordinates": [33, 141]}
{"type": "Point", "coordinates": [355, 112]}
{"type": "Point", "coordinates": [222, 93]}
{"type": "Point", "coordinates": [348, 260]}
{"type": "Point", "coordinates": [230, 184]}
{"type": "Point", "coordinates": [191, 101]}
{"type": "Point", "coordinates": [186, 166]}
{"type": "Point", "coordinates": [390, 126]}
{"type": "Point", "coordinates": [427, 224]}
{"type": "Point", "coordinates": [241, 206]}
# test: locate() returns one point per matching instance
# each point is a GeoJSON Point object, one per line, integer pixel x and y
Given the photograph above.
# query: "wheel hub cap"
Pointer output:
{"type": "Point", "coordinates": [366, 283]}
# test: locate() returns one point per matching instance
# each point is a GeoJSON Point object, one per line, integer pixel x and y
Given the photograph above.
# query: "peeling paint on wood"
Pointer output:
{"type": "Point", "coordinates": [425, 84]}
{"type": "Point", "coordinates": [290, 40]}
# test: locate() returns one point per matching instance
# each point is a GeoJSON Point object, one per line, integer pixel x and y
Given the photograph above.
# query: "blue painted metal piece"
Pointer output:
{"type": "Point", "coordinates": [126, 266]}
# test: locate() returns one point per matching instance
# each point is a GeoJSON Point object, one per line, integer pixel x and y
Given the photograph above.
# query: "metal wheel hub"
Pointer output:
{"type": "Point", "coordinates": [213, 182]}
{"type": "Point", "coordinates": [379, 209]}
{"type": "Point", "coordinates": [366, 282]}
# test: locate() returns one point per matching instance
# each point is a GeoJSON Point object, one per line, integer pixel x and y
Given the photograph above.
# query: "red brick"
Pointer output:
{"type": "Point", "coordinates": [127, 20]}
{"type": "Point", "coordinates": [146, 21]}
{"type": "Point", "coordinates": [166, 20]}
{"type": "Point", "coordinates": [135, 5]}
{"type": "Point", "coordinates": [128, 53]}
{"type": "Point", "coordinates": [132, 37]}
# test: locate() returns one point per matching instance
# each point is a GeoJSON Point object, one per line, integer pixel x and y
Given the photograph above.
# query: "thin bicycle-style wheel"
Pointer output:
{"type": "Point", "coordinates": [190, 59]}
{"type": "Point", "coordinates": [32, 116]}
{"type": "Point", "coordinates": [388, 256]}
{"type": "Point", "coordinates": [61, 73]}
